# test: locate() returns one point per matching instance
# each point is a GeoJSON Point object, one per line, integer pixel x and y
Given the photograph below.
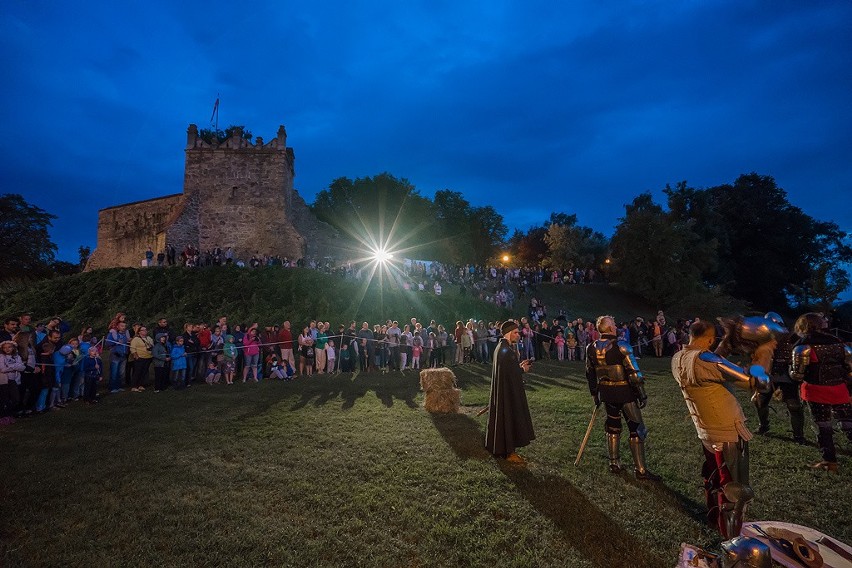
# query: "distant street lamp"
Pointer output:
{"type": "Point", "coordinates": [505, 258]}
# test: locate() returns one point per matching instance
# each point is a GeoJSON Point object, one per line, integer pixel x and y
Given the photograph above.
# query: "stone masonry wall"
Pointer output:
{"type": "Point", "coordinates": [236, 194]}
{"type": "Point", "coordinates": [243, 191]}
{"type": "Point", "coordinates": [126, 231]}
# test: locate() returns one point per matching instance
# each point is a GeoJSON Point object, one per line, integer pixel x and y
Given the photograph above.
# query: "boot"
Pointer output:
{"type": "Point", "coordinates": [797, 422]}
{"type": "Point", "coordinates": [637, 449]}
{"type": "Point", "coordinates": [762, 416]}
{"type": "Point", "coordinates": [612, 443]}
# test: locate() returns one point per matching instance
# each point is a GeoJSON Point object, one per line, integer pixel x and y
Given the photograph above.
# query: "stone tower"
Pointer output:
{"type": "Point", "coordinates": [236, 194]}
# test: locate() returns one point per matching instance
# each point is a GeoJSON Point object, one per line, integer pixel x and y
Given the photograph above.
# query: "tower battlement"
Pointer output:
{"type": "Point", "coordinates": [237, 193]}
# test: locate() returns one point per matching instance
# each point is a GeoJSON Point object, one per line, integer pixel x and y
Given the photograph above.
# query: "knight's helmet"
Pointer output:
{"type": "Point", "coordinates": [743, 551]}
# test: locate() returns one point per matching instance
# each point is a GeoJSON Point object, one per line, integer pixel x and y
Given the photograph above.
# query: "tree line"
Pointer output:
{"type": "Point", "coordinates": [743, 239]}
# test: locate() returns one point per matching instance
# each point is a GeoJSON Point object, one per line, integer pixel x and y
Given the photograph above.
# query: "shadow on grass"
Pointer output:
{"type": "Point", "coordinates": [322, 389]}
{"type": "Point", "coordinates": [586, 528]}
{"type": "Point", "coordinates": [664, 494]}
{"type": "Point", "coordinates": [463, 434]}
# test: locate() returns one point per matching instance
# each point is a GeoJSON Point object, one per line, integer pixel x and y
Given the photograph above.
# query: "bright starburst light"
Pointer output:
{"type": "Point", "coordinates": [382, 255]}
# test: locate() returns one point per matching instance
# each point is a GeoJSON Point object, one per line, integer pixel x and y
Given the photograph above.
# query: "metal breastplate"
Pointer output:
{"type": "Point", "coordinates": [607, 374]}
{"type": "Point", "coordinates": [829, 369]}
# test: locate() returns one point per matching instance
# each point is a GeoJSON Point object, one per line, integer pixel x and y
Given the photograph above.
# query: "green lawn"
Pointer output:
{"type": "Point", "coordinates": [351, 471]}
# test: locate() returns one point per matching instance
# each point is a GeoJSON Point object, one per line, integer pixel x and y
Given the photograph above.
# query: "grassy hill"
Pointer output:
{"type": "Point", "coordinates": [271, 295]}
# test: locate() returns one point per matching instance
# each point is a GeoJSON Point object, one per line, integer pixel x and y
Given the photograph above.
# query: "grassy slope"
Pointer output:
{"type": "Point", "coordinates": [268, 295]}
{"type": "Point", "coordinates": [350, 471]}
{"type": "Point", "coordinates": [271, 295]}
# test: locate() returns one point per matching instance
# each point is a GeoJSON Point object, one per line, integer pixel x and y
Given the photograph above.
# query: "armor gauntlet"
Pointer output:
{"type": "Point", "coordinates": [801, 360]}
{"type": "Point", "coordinates": [755, 377]}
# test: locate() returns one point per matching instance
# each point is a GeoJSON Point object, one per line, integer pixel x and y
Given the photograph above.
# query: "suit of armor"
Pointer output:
{"type": "Point", "coordinates": [615, 379]}
{"type": "Point", "coordinates": [779, 373]}
{"type": "Point", "coordinates": [824, 364]}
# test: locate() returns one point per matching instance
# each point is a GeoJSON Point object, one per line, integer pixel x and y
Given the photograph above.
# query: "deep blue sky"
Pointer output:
{"type": "Point", "coordinates": [529, 106]}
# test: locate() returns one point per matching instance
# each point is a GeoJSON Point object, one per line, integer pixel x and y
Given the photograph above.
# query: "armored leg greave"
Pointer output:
{"type": "Point", "coordinates": [825, 434]}
{"type": "Point", "coordinates": [613, 441]}
{"type": "Point", "coordinates": [640, 469]}
{"type": "Point", "coordinates": [736, 492]}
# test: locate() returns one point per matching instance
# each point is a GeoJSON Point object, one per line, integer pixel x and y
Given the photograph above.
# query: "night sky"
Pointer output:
{"type": "Point", "coordinates": [530, 107]}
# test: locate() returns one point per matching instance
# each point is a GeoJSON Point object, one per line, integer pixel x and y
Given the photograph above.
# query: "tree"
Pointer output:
{"type": "Point", "coordinates": [378, 211]}
{"type": "Point", "coordinates": [822, 289]}
{"type": "Point", "coordinates": [84, 252]}
{"type": "Point", "coordinates": [657, 256]}
{"type": "Point", "coordinates": [766, 247]}
{"type": "Point", "coordinates": [24, 238]}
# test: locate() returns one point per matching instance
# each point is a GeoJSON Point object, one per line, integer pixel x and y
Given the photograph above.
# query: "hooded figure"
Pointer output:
{"type": "Point", "coordinates": [509, 422]}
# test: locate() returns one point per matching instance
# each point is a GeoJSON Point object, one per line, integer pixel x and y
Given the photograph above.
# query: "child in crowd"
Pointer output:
{"type": "Point", "coordinates": [345, 358]}
{"type": "Point", "coordinates": [275, 369]}
{"type": "Point", "coordinates": [11, 367]}
{"type": "Point", "coordinates": [178, 357]}
{"type": "Point", "coordinates": [160, 355]}
{"type": "Point", "coordinates": [213, 374]}
{"type": "Point", "coordinates": [560, 346]}
{"type": "Point", "coordinates": [415, 356]}
{"type": "Point", "coordinates": [229, 353]}
{"type": "Point", "coordinates": [571, 345]}
{"type": "Point", "coordinates": [433, 349]}
{"type": "Point", "coordinates": [330, 356]}
{"type": "Point", "coordinates": [92, 369]}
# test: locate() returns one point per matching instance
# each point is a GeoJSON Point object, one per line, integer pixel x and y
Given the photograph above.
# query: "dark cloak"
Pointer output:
{"type": "Point", "coordinates": [509, 422]}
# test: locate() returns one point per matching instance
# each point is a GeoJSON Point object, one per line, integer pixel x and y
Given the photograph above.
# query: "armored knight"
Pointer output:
{"type": "Point", "coordinates": [824, 365]}
{"type": "Point", "coordinates": [705, 378]}
{"type": "Point", "coordinates": [615, 379]}
{"type": "Point", "coordinates": [779, 372]}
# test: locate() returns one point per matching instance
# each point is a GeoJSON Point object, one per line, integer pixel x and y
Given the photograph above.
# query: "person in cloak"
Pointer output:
{"type": "Point", "coordinates": [509, 422]}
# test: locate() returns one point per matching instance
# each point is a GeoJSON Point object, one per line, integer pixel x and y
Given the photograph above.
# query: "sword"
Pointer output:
{"type": "Point", "coordinates": [588, 433]}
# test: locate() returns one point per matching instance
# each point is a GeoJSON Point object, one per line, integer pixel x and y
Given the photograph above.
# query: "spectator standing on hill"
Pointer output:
{"type": "Point", "coordinates": [306, 352]}
{"type": "Point", "coordinates": [285, 338]}
{"type": "Point", "coordinates": [118, 342]}
{"type": "Point", "coordinates": [393, 337]}
{"type": "Point", "coordinates": [92, 368]}
{"type": "Point", "coordinates": [179, 364]}
{"type": "Point", "coordinates": [11, 367]}
{"type": "Point", "coordinates": [191, 349]}
{"type": "Point", "coordinates": [229, 351]}
{"type": "Point", "coordinates": [141, 349]}
{"type": "Point", "coordinates": [319, 350]}
{"type": "Point", "coordinates": [251, 353]}
{"type": "Point", "coordinates": [205, 354]}
{"type": "Point", "coordinates": [160, 356]}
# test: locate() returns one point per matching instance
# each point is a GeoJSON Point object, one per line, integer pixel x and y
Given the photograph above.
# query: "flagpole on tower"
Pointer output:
{"type": "Point", "coordinates": [215, 115]}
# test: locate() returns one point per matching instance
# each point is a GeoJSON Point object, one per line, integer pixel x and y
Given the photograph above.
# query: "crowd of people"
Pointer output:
{"type": "Point", "coordinates": [58, 365]}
